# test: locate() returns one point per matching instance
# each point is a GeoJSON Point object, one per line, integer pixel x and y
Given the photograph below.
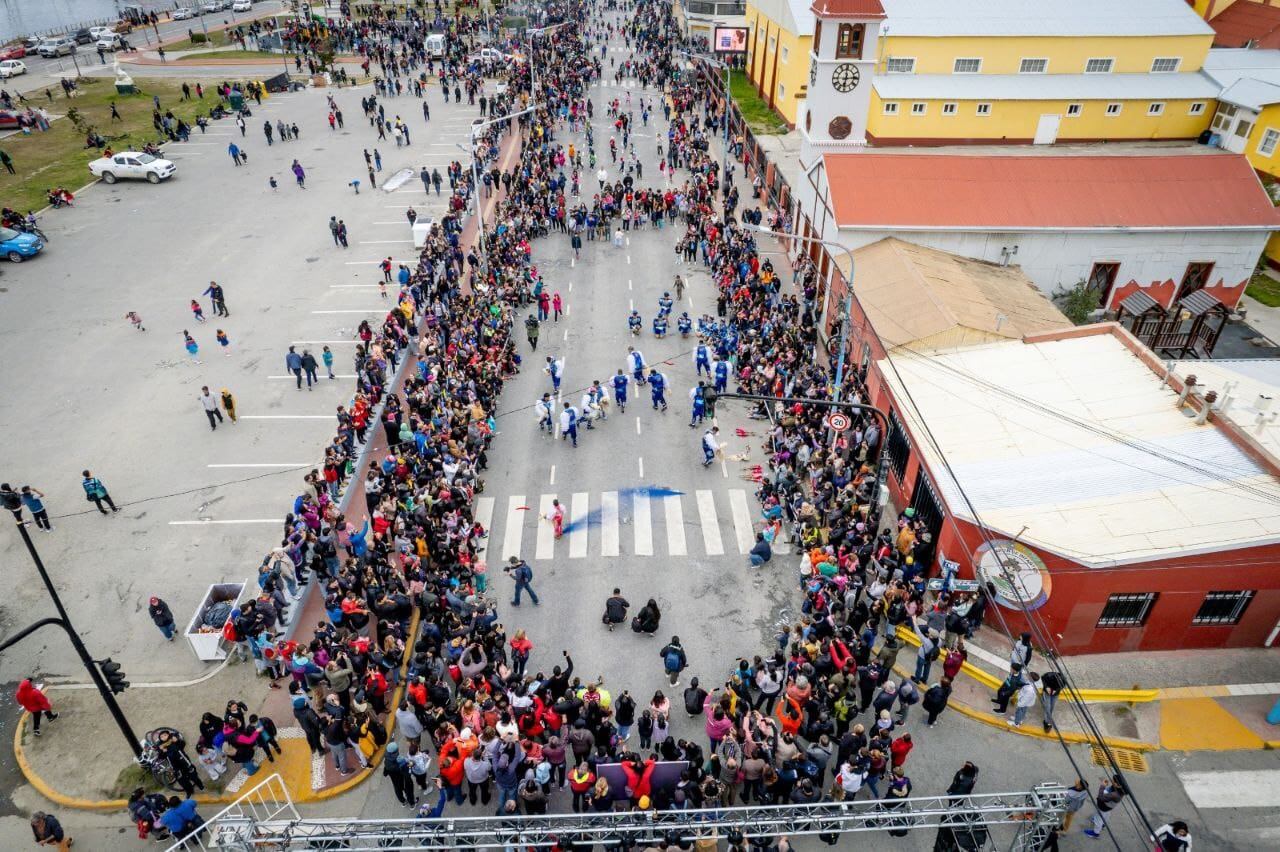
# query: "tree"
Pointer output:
{"type": "Point", "coordinates": [1077, 303]}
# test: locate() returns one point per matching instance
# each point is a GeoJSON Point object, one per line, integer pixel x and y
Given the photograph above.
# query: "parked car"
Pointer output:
{"type": "Point", "coordinates": [132, 164]}
{"type": "Point", "coordinates": [12, 68]}
{"type": "Point", "coordinates": [30, 43]}
{"type": "Point", "coordinates": [242, 6]}
{"type": "Point", "coordinates": [19, 245]}
{"type": "Point", "coordinates": [110, 42]}
{"type": "Point", "coordinates": [57, 46]}
{"type": "Point", "coordinates": [183, 14]}
{"type": "Point", "coordinates": [8, 119]}
{"type": "Point", "coordinates": [99, 33]}
{"type": "Point", "coordinates": [83, 36]}
{"type": "Point", "coordinates": [13, 52]}
{"type": "Point", "coordinates": [212, 6]}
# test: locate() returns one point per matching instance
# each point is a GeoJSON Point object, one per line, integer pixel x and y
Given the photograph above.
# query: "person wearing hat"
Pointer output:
{"type": "Point", "coordinates": [523, 575]}
{"type": "Point", "coordinates": [31, 697]}
{"type": "Point", "coordinates": [162, 616]}
{"type": "Point", "coordinates": [396, 767]}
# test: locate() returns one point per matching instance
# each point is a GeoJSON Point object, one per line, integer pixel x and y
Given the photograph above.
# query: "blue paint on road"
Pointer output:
{"type": "Point", "coordinates": [652, 492]}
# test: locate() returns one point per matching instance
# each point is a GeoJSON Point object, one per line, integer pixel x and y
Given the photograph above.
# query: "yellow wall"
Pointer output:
{"type": "Point", "coordinates": [1017, 120]}
{"type": "Point", "coordinates": [1268, 118]}
{"type": "Point", "coordinates": [793, 74]}
{"type": "Point", "coordinates": [1065, 55]}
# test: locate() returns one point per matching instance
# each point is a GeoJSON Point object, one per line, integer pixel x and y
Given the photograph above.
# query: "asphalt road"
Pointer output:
{"type": "Point", "coordinates": [85, 390]}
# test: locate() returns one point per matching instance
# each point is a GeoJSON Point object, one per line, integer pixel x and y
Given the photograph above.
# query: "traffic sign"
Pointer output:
{"type": "Point", "coordinates": [838, 422]}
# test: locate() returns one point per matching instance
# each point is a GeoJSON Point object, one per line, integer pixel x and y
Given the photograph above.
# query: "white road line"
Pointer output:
{"type": "Point", "coordinates": [566, 334]}
{"type": "Point", "coordinates": [629, 284]}
{"type": "Point", "coordinates": [642, 520]}
{"type": "Point", "coordinates": [265, 464]}
{"type": "Point", "coordinates": [628, 259]}
{"type": "Point", "coordinates": [742, 520]}
{"type": "Point", "coordinates": [552, 480]}
{"type": "Point", "coordinates": [235, 521]}
{"type": "Point", "coordinates": [710, 524]}
{"type": "Point", "coordinates": [546, 548]}
{"type": "Point", "coordinates": [633, 304]}
{"type": "Point", "coordinates": [578, 521]}
{"type": "Point", "coordinates": [609, 523]}
{"type": "Point", "coordinates": [484, 512]}
{"type": "Point", "coordinates": [637, 425]}
{"type": "Point", "coordinates": [570, 286]}
{"type": "Point", "coordinates": [640, 465]}
{"type": "Point", "coordinates": [515, 528]}
{"type": "Point", "coordinates": [675, 525]}
{"type": "Point", "coordinates": [286, 416]}
{"type": "Point", "coordinates": [1233, 789]}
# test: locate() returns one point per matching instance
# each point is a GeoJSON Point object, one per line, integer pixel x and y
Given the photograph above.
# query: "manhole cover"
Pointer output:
{"type": "Point", "coordinates": [1127, 759]}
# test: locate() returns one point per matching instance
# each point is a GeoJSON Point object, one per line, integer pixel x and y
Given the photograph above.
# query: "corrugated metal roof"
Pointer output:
{"type": "Point", "coordinates": [1242, 23]}
{"type": "Point", "coordinates": [1045, 87]}
{"type": "Point", "coordinates": [945, 18]}
{"type": "Point", "coordinates": [911, 293]}
{"type": "Point", "coordinates": [1138, 303]}
{"type": "Point", "coordinates": [1200, 302]}
{"type": "Point", "coordinates": [1249, 378]}
{"type": "Point", "coordinates": [1251, 94]}
{"type": "Point", "coordinates": [1077, 441]}
{"type": "Point", "coordinates": [849, 8]}
{"type": "Point", "coordinates": [1009, 192]}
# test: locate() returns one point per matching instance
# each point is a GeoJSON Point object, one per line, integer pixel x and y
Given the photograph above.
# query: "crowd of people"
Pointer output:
{"type": "Point", "coordinates": [412, 661]}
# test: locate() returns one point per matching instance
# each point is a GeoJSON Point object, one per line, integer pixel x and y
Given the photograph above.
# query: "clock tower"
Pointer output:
{"type": "Point", "coordinates": [842, 64]}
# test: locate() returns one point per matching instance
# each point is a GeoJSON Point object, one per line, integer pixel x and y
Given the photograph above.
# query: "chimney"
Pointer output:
{"type": "Point", "coordinates": [1209, 399]}
{"type": "Point", "coordinates": [1187, 386]}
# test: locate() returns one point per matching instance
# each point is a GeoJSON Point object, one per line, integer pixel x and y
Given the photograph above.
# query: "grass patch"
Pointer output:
{"type": "Point", "coordinates": [230, 54]}
{"type": "Point", "coordinates": [1265, 289]}
{"type": "Point", "coordinates": [755, 109]}
{"type": "Point", "coordinates": [58, 157]}
{"type": "Point", "coordinates": [217, 38]}
{"type": "Point", "coordinates": [132, 777]}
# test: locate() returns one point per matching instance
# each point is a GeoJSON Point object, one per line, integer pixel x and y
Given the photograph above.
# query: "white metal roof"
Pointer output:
{"type": "Point", "coordinates": [1041, 18]}
{"type": "Point", "coordinates": [794, 15]}
{"type": "Point", "coordinates": [1239, 383]}
{"type": "Point", "coordinates": [1032, 87]}
{"type": "Point", "coordinates": [1078, 441]}
{"type": "Point", "coordinates": [1249, 78]}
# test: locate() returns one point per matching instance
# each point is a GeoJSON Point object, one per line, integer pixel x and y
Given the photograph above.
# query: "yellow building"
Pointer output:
{"type": "Point", "coordinates": [1247, 118]}
{"type": "Point", "coordinates": [953, 71]}
{"type": "Point", "coordinates": [778, 53]}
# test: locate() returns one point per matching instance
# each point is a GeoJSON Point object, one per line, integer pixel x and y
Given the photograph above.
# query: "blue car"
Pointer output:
{"type": "Point", "coordinates": [19, 245]}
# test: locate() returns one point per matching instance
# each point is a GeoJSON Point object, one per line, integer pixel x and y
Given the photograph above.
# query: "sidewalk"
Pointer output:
{"type": "Point", "coordinates": [1165, 703]}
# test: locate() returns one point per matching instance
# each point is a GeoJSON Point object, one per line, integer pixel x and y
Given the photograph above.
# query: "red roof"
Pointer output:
{"type": "Point", "coordinates": [1244, 22]}
{"type": "Point", "coordinates": [1028, 191]}
{"type": "Point", "coordinates": [848, 8]}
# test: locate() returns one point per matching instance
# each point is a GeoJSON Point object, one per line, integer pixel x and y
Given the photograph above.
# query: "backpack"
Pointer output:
{"type": "Point", "coordinates": [672, 660]}
{"type": "Point", "coordinates": [933, 653]}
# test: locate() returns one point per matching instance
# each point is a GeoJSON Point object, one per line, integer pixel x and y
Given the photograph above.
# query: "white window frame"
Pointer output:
{"type": "Point", "coordinates": [920, 108]}
{"type": "Point", "coordinates": [1196, 108]}
{"type": "Point", "coordinates": [955, 66]}
{"type": "Point", "coordinates": [890, 107]}
{"type": "Point", "coordinates": [784, 54]}
{"type": "Point", "coordinates": [1155, 108]}
{"type": "Point", "coordinates": [1113, 109]}
{"type": "Point", "coordinates": [1176, 60]}
{"type": "Point", "coordinates": [983, 110]}
{"type": "Point", "coordinates": [1273, 136]}
{"type": "Point", "coordinates": [1074, 110]}
{"type": "Point", "coordinates": [1023, 62]}
{"type": "Point", "coordinates": [890, 60]}
{"type": "Point", "coordinates": [950, 108]}
{"type": "Point", "coordinates": [1110, 60]}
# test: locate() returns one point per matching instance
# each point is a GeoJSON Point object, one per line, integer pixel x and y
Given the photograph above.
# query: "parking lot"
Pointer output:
{"type": "Point", "coordinates": [83, 389]}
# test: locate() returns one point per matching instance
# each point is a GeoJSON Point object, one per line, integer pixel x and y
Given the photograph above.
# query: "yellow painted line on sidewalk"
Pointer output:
{"type": "Point", "coordinates": [1193, 692]}
{"type": "Point", "coordinates": [1191, 724]}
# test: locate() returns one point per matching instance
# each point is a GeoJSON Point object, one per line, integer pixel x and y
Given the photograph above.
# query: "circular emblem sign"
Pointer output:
{"type": "Point", "coordinates": [1018, 574]}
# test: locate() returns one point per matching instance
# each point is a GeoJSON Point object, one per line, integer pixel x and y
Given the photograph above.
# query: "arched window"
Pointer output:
{"type": "Point", "coordinates": [817, 37]}
{"type": "Point", "coordinates": [849, 41]}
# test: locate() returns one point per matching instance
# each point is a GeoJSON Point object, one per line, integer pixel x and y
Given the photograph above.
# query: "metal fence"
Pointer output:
{"type": "Point", "coordinates": [264, 819]}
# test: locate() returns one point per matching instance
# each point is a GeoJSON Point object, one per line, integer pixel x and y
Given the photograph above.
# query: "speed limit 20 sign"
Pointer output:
{"type": "Point", "coordinates": [838, 422]}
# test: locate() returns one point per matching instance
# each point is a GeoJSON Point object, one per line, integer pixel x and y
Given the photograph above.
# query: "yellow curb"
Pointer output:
{"type": "Point", "coordinates": [1184, 721]}
{"type": "Point", "coordinates": [1122, 696]}
{"type": "Point", "coordinates": [1034, 732]}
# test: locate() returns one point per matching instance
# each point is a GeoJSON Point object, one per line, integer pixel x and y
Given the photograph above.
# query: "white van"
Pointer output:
{"type": "Point", "coordinates": [435, 45]}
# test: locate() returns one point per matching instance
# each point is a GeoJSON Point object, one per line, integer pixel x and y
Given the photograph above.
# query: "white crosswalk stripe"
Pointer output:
{"type": "Point", "coordinates": [595, 524]}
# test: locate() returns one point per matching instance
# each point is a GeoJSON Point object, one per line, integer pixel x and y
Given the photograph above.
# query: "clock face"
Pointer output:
{"type": "Point", "coordinates": [845, 78]}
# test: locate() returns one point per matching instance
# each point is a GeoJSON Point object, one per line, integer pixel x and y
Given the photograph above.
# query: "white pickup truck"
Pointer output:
{"type": "Point", "coordinates": [132, 164]}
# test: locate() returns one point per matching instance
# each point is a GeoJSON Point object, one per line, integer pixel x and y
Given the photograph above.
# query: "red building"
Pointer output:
{"type": "Point", "coordinates": [1064, 465]}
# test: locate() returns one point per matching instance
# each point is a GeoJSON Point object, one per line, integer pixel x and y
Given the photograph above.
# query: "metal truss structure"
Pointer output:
{"type": "Point", "coordinates": [1010, 822]}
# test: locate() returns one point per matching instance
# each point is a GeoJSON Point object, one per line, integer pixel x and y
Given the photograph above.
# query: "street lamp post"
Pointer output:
{"type": "Point", "coordinates": [476, 129]}
{"type": "Point", "coordinates": [13, 503]}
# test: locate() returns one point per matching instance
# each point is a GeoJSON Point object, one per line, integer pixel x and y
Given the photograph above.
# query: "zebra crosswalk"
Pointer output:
{"type": "Point", "coordinates": [596, 524]}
